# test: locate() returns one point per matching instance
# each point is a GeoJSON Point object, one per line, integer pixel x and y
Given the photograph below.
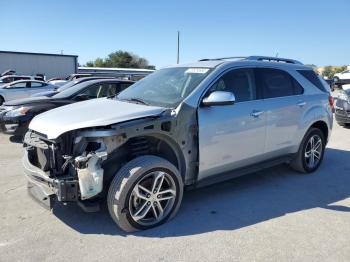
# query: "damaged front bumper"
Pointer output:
{"type": "Point", "coordinates": [46, 190]}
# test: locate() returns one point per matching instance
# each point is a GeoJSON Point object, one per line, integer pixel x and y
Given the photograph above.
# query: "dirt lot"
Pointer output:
{"type": "Point", "coordinates": [272, 215]}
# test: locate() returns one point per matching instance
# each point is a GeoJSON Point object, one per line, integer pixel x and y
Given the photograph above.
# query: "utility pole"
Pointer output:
{"type": "Point", "coordinates": [178, 46]}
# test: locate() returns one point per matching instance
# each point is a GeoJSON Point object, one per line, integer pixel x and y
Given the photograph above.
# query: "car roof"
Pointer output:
{"type": "Point", "coordinates": [247, 61]}
{"type": "Point", "coordinates": [93, 81]}
{"type": "Point", "coordinates": [27, 80]}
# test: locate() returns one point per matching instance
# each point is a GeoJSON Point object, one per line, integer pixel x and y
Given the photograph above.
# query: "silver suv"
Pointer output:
{"type": "Point", "coordinates": [181, 127]}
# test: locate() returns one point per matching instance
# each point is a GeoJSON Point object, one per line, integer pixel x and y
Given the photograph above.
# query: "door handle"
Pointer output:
{"type": "Point", "coordinates": [256, 113]}
{"type": "Point", "coordinates": [301, 103]}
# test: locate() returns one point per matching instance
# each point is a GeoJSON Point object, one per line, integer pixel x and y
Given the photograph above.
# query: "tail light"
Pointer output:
{"type": "Point", "coordinates": [331, 102]}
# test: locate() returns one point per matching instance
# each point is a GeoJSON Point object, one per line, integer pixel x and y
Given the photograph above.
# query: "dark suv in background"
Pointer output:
{"type": "Point", "coordinates": [16, 115]}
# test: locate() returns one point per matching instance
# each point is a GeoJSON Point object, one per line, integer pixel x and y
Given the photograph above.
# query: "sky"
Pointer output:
{"type": "Point", "coordinates": [314, 32]}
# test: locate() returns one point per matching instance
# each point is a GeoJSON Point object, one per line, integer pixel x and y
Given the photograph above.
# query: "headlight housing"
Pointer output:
{"type": "Point", "coordinates": [20, 111]}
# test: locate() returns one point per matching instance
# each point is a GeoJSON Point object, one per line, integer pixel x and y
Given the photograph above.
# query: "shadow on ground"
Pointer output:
{"type": "Point", "coordinates": [16, 139]}
{"type": "Point", "coordinates": [238, 203]}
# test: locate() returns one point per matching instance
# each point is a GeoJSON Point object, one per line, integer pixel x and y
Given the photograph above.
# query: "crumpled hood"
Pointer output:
{"type": "Point", "coordinates": [91, 113]}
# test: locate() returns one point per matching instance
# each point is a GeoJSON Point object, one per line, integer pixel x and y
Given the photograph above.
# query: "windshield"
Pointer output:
{"type": "Point", "coordinates": [165, 87]}
{"type": "Point", "coordinates": [67, 85]}
{"type": "Point", "coordinates": [72, 90]}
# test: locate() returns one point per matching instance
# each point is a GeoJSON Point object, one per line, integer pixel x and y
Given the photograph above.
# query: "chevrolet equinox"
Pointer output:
{"type": "Point", "coordinates": [180, 127]}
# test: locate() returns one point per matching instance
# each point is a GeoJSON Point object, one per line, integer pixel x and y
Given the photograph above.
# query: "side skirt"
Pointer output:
{"type": "Point", "coordinates": [241, 171]}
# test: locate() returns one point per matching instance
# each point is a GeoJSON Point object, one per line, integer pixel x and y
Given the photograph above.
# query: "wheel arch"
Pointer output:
{"type": "Point", "coordinates": [318, 117]}
{"type": "Point", "coordinates": [321, 125]}
{"type": "Point", "coordinates": [156, 144]}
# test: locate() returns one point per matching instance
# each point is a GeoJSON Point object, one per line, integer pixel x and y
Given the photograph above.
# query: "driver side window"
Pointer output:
{"type": "Point", "coordinates": [240, 82]}
{"type": "Point", "coordinates": [93, 91]}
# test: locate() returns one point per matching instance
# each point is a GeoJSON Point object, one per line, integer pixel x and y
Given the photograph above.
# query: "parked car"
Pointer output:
{"type": "Point", "coordinates": [22, 89]}
{"type": "Point", "coordinates": [57, 82]}
{"type": "Point", "coordinates": [345, 75]}
{"type": "Point", "coordinates": [69, 84]}
{"type": "Point", "coordinates": [183, 126]}
{"type": "Point", "coordinates": [16, 115]}
{"type": "Point", "coordinates": [342, 107]}
{"type": "Point", "coordinates": [12, 78]}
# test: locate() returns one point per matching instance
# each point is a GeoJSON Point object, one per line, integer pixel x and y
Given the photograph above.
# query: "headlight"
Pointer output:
{"type": "Point", "coordinates": [21, 111]}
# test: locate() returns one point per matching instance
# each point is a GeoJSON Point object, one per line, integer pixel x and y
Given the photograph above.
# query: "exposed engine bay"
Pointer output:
{"type": "Point", "coordinates": [80, 164]}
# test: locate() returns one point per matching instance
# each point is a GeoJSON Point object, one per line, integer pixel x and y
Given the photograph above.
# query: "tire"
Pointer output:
{"type": "Point", "coordinates": [2, 100]}
{"type": "Point", "coordinates": [301, 163]}
{"type": "Point", "coordinates": [128, 180]}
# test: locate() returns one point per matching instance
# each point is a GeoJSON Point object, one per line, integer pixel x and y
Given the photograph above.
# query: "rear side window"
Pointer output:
{"type": "Point", "coordinates": [35, 84]}
{"type": "Point", "coordinates": [313, 78]}
{"type": "Point", "coordinates": [277, 83]}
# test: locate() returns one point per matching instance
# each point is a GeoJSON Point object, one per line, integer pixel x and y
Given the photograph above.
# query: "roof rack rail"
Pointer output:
{"type": "Point", "coordinates": [274, 59]}
{"type": "Point", "coordinates": [222, 58]}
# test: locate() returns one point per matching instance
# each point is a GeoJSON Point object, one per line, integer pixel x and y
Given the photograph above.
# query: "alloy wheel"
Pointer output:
{"type": "Point", "coordinates": [152, 198]}
{"type": "Point", "coordinates": [313, 151]}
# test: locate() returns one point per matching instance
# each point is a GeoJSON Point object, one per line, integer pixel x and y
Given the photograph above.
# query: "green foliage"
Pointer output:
{"type": "Point", "coordinates": [330, 71]}
{"type": "Point", "coordinates": [122, 59]}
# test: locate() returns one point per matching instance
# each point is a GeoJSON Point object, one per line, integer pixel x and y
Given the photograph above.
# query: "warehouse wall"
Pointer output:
{"type": "Point", "coordinates": [32, 64]}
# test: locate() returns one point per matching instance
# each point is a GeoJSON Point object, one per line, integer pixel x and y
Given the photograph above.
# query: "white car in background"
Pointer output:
{"type": "Point", "coordinates": [58, 82]}
{"type": "Point", "coordinates": [342, 75]}
{"type": "Point", "coordinates": [22, 89]}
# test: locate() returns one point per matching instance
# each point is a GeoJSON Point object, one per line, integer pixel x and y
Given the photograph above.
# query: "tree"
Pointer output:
{"type": "Point", "coordinates": [122, 59]}
{"type": "Point", "coordinates": [330, 71]}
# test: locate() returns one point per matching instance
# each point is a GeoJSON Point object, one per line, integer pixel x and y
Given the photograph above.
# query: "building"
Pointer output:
{"type": "Point", "coordinates": [50, 65]}
{"type": "Point", "coordinates": [130, 73]}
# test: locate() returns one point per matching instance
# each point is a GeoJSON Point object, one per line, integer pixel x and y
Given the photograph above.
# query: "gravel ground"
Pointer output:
{"type": "Point", "coordinates": [272, 215]}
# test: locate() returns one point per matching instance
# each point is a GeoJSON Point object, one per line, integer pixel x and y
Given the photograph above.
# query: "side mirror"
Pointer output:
{"type": "Point", "coordinates": [219, 98]}
{"type": "Point", "coordinates": [81, 97]}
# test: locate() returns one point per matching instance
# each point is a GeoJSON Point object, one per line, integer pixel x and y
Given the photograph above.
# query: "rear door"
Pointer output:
{"type": "Point", "coordinates": [285, 105]}
{"type": "Point", "coordinates": [37, 87]}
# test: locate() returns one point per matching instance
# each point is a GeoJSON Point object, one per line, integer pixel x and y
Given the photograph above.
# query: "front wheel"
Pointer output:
{"type": "Point", "coordinates": [145, 193]}
{"type": "Point", "coordinates": [2, 100]}
{"type": "Point", "coordinates": [311, 151]}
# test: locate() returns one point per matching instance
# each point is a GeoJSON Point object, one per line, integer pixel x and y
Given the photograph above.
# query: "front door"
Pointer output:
{"type": "Point", "coordinates": [232, 136]}
{"type": "Point", "coordinates": [16, 91]}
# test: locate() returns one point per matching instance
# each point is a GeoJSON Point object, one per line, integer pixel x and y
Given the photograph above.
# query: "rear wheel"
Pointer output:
{"type": "Point", "coordinates": [311, 151]}
{"type": "Point", "coordinates": [2, 100]}
{"type": "Point", "coordinates": [145, 193]}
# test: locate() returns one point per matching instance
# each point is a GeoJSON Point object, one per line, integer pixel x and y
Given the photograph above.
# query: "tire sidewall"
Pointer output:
{"type": "Point", "coordinates": [120, 209]}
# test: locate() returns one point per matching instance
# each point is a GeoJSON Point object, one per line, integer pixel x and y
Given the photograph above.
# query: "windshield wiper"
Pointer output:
{"type": "Point", "coordinates": [137, 100]}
